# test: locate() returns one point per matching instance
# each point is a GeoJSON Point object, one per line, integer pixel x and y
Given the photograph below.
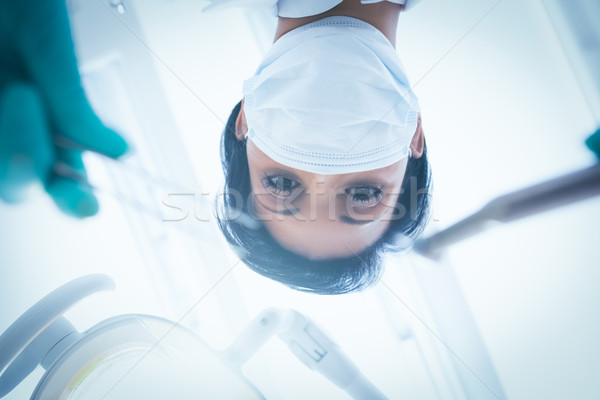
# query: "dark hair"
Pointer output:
{"type": "Point", "coordinates": [264, 255]}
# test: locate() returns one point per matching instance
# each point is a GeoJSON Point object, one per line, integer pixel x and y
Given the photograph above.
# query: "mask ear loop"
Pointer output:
{"type": "Point", "coordinates": [409, 152]}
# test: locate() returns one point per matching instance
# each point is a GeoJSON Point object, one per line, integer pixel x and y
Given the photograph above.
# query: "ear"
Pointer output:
{"type": "Point", "coordinates": [417, 144]}
{"type": "Point", "coordinates": [241, 126]}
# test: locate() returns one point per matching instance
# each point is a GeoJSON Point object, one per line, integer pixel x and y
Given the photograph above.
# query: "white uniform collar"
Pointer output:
{"type": "Point", "coordinates": [293, 8]}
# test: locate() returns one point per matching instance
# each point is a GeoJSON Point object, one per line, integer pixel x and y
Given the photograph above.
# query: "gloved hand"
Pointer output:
{"type": "Point", "coordinates": [42, 102]}
{"type": "Point", "coordinates": [593, 143]}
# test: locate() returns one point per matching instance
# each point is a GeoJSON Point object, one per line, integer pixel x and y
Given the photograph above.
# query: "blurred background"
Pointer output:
{"type": "Point", "coordinates": [507, 100]}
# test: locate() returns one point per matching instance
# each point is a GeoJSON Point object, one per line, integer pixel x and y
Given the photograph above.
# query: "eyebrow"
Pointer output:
{"type": "Point", "coordinates": [280, 212]}
{"type": "Point", "coordinates": [351, 221]}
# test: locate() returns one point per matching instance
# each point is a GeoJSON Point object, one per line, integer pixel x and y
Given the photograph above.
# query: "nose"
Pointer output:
{"type": "Point", "coordinates": [320, 190]}
{"type": "Point", "coordinates": [321, 179]}
{"type": "Point", "coordinates": [319, 187]}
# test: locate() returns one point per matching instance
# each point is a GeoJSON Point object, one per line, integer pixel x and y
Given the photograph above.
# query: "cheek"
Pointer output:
{"type": "Point", "coordinates": [391, 198]}
{"type": "Point", "coordinates": [255, 155]}
{"type": "Point", "coordinates": [394, 188]}
{"type": "Point", "coordinates": [258, 164]}
{"type": "Point", "coordinates": [254, 166]}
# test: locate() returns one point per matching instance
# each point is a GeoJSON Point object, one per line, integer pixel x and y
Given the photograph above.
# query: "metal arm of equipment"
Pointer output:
{"type": "Point", "coordinates": [554, 193]}
{"type": "Point", "coordinates": [309, 343]}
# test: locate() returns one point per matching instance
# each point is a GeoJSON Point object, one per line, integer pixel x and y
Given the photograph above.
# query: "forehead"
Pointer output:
{"type": "Point", "coordinates": [322, 238]}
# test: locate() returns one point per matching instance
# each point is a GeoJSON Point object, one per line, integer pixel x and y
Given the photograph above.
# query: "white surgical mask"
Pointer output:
{"type": "Point", "coordinates": [331, 97]}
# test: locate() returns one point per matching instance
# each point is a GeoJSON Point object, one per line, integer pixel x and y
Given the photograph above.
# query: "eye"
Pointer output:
{"type": "Point", "coordinates": [364, 196]}
{"type": "Point", "coordinates": [280, 186]}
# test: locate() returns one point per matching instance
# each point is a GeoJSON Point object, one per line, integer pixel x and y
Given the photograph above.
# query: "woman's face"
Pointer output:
{"type": "Point", "coordinates": [322, 216]}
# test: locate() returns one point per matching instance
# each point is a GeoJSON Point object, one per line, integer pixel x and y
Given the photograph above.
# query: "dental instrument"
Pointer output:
{"type": "Point", "coordinates": [547, 195]}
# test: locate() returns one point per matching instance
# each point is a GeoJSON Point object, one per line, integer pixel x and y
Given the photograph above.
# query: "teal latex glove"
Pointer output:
{"type": "Point", "coordinates": [42, 102]}
{"type": "Point", "coordinates": [593, 143]}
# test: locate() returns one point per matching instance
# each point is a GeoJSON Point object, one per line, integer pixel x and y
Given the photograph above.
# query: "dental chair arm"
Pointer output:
{"type": "Point", "coordinates": [309, 343]}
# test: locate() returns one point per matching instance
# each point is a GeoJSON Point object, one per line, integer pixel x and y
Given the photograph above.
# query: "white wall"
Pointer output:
{"type": "Point", "coordinates": [501, 110]}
